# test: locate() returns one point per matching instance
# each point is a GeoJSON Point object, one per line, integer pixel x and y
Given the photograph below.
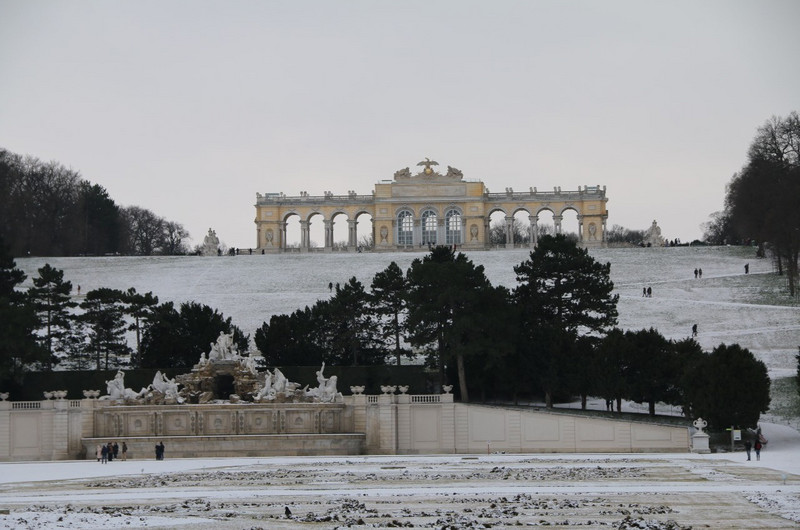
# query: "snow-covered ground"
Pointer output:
{"type": "Point", "coordinates": [465, 491]}
{"type": "Point", "coordinates": [728, 306]}
{"type": "Point", "coordinates": [657, 491]}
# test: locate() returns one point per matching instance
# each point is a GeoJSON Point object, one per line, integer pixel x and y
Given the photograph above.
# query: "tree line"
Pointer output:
{"type": "Point", "coordinates": [762, 202]}
{"type": "Point", "coordinates": [553, 335]}
{"type": "Point", "coordinates": [47, 209]}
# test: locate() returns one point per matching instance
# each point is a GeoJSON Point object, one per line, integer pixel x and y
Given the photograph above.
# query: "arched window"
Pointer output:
{"type": "Point", "coordinates": [405, 228]}
{"type": "Point", "coordinates": [429, 228]}
{"type": "Point", "coordinates": [452, 224]}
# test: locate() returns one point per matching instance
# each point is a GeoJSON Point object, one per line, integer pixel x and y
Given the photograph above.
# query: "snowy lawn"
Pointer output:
{"type": "Point", "coordinates": [456, 491]}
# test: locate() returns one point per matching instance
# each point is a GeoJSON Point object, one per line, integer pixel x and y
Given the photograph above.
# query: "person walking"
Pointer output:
{"type": "Point", "coordinates": [110, 451]}
{"type": "Point", "coordinates": [104, 454]}
{"type": "Point", "coordinates": [649, 292]}
{"type": "Point", "coordinates": [747, 447]}
{"type": "Point", "coordinates": [695, 273]}
{"type": "Point", "coordinates": [699, 273]}
{"type": "Point", "coordinates": [115, 449]}
{"type": "Point", "coordinates": [124, 451]}
{"type": "Point", "coordinates": [747, 268]}
{"type": "Point", "coordinates": [98, 452]}
{"type": "Point", "coordinates": [694, 330]}
{"type": "Point", "coordinates": [757, 447]}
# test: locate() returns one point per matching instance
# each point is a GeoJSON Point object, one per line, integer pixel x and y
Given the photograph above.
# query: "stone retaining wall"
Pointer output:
{"type": "Point", "coordinates": [384, 424]}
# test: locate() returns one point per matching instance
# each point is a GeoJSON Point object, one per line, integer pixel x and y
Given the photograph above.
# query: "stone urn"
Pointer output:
{"type": "Point", "coordinates": [447, 388]}
{"type": "Point", "coordinates": [48, 395]}
{"type": "Point", "coordinates": [403, 388]}
{"type": "Point", "coordinates": [3, 396]}
{"type": "Point", "coordinates": [388, 389]}
{"type": "Point", "coordinates": [90, 394]}
{"type": "Point", "coordinates": [357, 390]}
{"type": "Point", "coordinates": [59, 394]}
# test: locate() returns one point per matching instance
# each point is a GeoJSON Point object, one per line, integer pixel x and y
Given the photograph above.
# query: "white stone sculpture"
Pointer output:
{"type": "Point", "coordinates": [166, 386]}
{"type": "Point", "coordinates": [275, 384]}
{"type": "Point", "coordinates": [210, 244]}
{"type": "Point", "coordinates": [249, 363]}
{"type": "Point", "coordinates": [700, 439]}
{"type": "Point", "coordinates": [267, 391]}
{"type": "Point", "coordinates": [357, 390]}
{"type": "Point", "coordinates": [116, 388]}
{"type": "Point", "coordinates": [653, 237]}
{"type": "Point", "coordinates": [222, 350]}
{"type": "Point", "coordinates": [326, 391]}
{"type": "Point", "coordinates": [700, 424]}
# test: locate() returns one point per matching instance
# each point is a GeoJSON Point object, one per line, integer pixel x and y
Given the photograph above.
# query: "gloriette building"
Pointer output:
{"type": "Point", "coordinates": [415, 211]}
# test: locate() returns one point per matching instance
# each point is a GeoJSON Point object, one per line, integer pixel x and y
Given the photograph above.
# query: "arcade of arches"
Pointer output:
{"type": "Point", "coordinates": [413, 212]}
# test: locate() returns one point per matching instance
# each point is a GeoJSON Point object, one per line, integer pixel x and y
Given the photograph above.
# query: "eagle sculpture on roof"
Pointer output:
{"type": "Point", "coordinates": [428, 163]}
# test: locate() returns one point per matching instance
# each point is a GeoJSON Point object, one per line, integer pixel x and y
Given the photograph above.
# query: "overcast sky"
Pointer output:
{"type": "Point", "coordinates": [189, 108]}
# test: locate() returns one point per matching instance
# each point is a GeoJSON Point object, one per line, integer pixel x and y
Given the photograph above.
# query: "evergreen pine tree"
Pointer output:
{"type": "Point", "coordinates": [50, 296]}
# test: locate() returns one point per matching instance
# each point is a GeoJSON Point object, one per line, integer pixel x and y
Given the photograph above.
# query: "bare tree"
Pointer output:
{"type": "Point", "coordinates": [145, 230]}
{"type": "Point", "coordinates": [174, 236]}
{"type": "Point", "coordinates": [762, 199]}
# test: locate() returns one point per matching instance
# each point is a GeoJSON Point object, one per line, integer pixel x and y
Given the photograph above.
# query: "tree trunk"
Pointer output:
{"type": "Point", "coordinates": [583, 401]}
{"type": "Point", "coordinates": [619, 404]}
{"type": "Point", "coordinates": [462, 378]}
{"type": "Point", "coordinates": [652, 408]}
{"type": "Point", "coordinates": [548, 399]}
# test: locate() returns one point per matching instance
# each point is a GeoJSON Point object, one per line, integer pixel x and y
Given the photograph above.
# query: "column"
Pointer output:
{"type": "Point", "coordinates": [580, 229]}
{"type": "Point", "coordinates": [534, 231]}
{"type": "Point", "coordinates": [328, 234]}
{"type": "Point", "coordinates": [604, 228]}
{"type": "Point", "coordinates": [487, 240]}
{"type": "Point", "coordinates": [282, 235]}
{"type": "Point", "coordinates": [557, 222]}
{"type": "Point", "coordinates": [304, 238]}
{"type": "Point", "coordinates": [352, 233]}
{"type": "Point", "coordinates": [509, 231]}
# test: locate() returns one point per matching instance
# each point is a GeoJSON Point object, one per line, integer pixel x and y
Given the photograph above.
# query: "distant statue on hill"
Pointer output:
{"type": "Point", "coordinates": [210, 243]}
{"type": "Point", "coordinates": [652, 237]}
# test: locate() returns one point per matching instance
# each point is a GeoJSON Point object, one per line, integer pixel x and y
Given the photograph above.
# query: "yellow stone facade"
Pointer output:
{"type": "Point", "coordinates": [413, 212]}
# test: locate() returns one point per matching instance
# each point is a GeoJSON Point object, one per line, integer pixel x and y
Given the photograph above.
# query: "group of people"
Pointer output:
{"type": "Point", "coordinates": [698, 273]}
{"type": "Point", "coordinates": [110, 451]}
{"type": "Point", "coordinates": [757, 444]}
{"type": "Point", "coordinates": [647, 292]}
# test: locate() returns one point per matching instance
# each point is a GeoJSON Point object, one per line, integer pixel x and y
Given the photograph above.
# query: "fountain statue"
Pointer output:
{"type": "Point", "coordinates": [117, 391]}
{"type": "Point", "coordinates": [326, 391]}
{"type": "Point", "coordinates": [168, 388]}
